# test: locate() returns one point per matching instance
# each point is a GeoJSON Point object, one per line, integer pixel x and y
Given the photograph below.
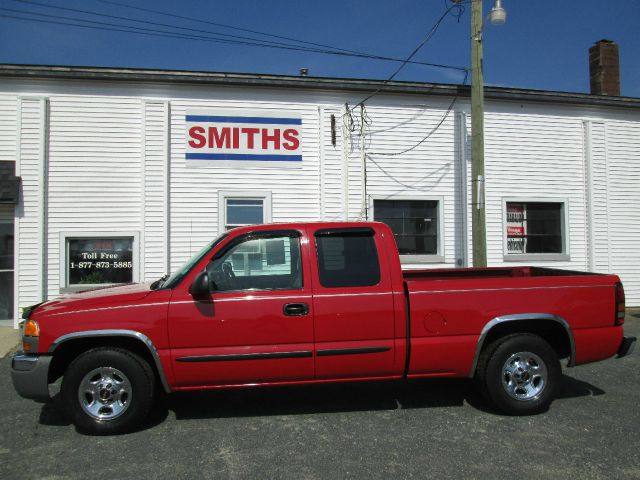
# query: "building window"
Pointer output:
{"type": "Point", "coordinates": [535, 229]}
{"type": "Point", "coordinates": [99, 260]}
{"type": "Point", "coordinates": [271, 263]}
{"type": "Point", "coordinates": [240, 209]}
{"type": "Point", "coordinates": [416, 226]}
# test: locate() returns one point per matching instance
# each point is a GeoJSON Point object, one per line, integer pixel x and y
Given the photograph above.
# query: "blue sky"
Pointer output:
{"type": "Point", "coordinates": [543, 45]}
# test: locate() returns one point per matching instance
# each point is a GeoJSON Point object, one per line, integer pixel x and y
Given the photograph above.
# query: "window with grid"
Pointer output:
{"type": "Point", "coordinates": [414, 224]}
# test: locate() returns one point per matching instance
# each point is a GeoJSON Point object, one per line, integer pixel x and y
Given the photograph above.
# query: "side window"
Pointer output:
{"type": "Point", "coordinates": [416, 225]}
{"type": "Point", "coordinates": [267, 263]}
{"type": "Point", "coordinates": [347, 259]}
{"type": "Point", "coordinates": [535, 228]}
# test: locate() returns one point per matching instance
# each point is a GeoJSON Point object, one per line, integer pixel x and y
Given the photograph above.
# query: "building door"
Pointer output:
{"type": "Point", "coordinates": [6, 262]}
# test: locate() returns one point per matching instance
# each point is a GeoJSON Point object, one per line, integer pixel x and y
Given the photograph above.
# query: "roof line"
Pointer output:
{"type": "Point", "coordinates": [308, 83]}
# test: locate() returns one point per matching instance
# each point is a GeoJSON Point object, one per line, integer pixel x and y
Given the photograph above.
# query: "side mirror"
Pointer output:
{"type": "Point", "coordinates": [200, 286]}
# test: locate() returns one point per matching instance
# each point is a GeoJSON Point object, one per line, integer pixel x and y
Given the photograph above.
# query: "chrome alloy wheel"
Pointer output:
{"type": "Point", "coordinates": [524, 376]}
{"type": "Point", "coordinates": [104, 393]}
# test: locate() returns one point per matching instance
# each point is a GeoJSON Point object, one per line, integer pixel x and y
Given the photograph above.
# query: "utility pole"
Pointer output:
{"type": "Point", "coordinates": [478, 222]}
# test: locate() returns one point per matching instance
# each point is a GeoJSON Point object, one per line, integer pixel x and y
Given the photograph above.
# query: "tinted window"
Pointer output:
{"type": "Point", "coordinates": [258, 264]}
{"type": "Point", "coordinates": [347, 260]}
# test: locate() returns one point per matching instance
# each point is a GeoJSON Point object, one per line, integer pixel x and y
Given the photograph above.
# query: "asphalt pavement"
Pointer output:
{"type": "Point", "coordinates": [423, 429]}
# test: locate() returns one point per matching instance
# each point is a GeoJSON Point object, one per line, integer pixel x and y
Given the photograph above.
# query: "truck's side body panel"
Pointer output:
{"type": "Point", "coordinates": [448, 315]}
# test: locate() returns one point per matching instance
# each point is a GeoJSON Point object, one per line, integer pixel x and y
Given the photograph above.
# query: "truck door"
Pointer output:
{"type": "Point", "coordinates": [257, 327]}
{"type": "Point", "coordinates": [352, 303]}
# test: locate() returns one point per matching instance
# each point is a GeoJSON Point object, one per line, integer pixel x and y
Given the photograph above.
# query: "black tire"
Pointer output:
{"type": "Point", "coordinates": [108, 391]}
{"type": "Point", "coordinates": [519, 374]}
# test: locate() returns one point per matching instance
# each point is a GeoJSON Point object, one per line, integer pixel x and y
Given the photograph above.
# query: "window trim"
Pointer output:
{"type": "Point", "coordinates": [225, 195]}
{"type": "Point", "coordinates": [261, 235]}
{"type": "Point", "coordinates": [80, 235]}
{"type": "Point", "coordinates": [410, 259]}
{"type": "Point", "coordinates": [564, 256]}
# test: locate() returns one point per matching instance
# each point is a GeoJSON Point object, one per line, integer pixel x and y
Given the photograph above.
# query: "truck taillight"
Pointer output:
{"type": "Point", "coordinates": [620, 309]}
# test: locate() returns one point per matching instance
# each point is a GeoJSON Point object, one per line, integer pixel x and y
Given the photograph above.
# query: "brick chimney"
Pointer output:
{"type": "Point", "coordinates": [604, 68]}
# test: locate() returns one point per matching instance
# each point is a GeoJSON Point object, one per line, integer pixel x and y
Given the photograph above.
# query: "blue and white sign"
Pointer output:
{"type": "Point", "coordinates": [243, 136]}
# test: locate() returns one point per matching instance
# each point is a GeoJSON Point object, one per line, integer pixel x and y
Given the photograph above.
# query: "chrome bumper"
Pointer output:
{"type": "Point", "coordinates": [30, 376]}
{"type": "Point", "coordinates": [626, 347]}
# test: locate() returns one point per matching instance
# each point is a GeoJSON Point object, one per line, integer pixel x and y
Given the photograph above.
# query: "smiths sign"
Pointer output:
{"type": "Point", "coordinates": [241, 136]}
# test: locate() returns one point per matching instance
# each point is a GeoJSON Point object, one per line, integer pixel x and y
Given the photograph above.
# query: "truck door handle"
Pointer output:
{"type": "Point", "coordinates": [295, 309]}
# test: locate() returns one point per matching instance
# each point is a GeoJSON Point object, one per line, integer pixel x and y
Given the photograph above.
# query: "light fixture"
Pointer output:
{"type": "Point", "coordinates": [498, 14]}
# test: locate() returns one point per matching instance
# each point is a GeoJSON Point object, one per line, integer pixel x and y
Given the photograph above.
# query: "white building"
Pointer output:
{"type": "Point", "coordinates": [123, 174]}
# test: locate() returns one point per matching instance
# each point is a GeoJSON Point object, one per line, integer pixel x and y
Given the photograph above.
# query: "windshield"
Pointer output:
{"type": "Point", "coordinates": [179, 274]}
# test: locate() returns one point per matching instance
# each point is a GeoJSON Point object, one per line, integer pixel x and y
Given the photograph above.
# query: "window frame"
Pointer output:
{"type": "Point", "coordinates": [262, 235]}
{"type": "Point", "coordinates": [439, 257]}
{"type": "Point", "coordinates": [564, 256]}
{"type": "Point", "coordinates": [82, 235]}
{"type": "Point", "coordinates": [225, 195]}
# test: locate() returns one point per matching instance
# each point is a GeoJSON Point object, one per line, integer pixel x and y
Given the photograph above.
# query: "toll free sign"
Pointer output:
{"type": "Point", "coordinates": [243, 136]}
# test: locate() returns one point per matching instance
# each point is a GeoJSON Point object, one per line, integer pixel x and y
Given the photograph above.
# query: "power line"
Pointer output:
{"type": "Point", "coordinates": [223, 25]}
{"type": "Point", "coordinates": [433, 130]}
{"type": "Point", "coordinates": [424, 41]}
{"type": "Point", "coordinates": [212, 36]}
{"type": "Point", "coordinates": [147, 22]}
{"type": "Point", "coordinates": [96, 25]}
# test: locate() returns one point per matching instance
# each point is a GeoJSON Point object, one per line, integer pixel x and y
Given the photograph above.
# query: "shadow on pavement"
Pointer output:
{"type": "Point", "coordinates": [330, 398]}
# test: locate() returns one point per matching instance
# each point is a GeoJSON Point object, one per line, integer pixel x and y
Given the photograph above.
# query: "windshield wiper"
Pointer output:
{"type": "Point", "coordinates": [158, 283]}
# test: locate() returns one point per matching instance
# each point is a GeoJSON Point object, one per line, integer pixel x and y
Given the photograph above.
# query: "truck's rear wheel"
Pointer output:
{"type": "Point", "coordinates": [519, 374]}
{"type": "Point", "coordinates": [108, 391]}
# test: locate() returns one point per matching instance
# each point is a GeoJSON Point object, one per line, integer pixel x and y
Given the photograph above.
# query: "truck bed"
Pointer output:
{"type": "Point", "coordinates": [450, 308]}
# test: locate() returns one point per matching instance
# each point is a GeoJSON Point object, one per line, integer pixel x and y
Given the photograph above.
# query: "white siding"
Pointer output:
{"type": "Point", "coordinates": [331, 167]}
{"type": "Point", "coordinates": [194, 189]}
{"type": "Point", "coordinates": [155, 198]}
{"type": "Point", "coordinates": [108, 145]}
{"type": "Point", "coordinates": [408, 157]}
{"type": "Point", "coordinates": [597, 189]}
{"type": "Point", "coordinates": [8, 127]}
{"type": "Point", "coordinates": [94, 170]}
{"type": "Point", "coordinates": [537, 156]}
{"type": "Point", "coordinates": [623, 167]}
{"type": "Point", "coordinates": [29, 167]}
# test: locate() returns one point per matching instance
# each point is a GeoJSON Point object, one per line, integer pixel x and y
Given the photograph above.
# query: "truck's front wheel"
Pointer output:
{"type": "Point", "coordinates": [108, 391]}
{"type": "Point", "coordinates": [519, 374]}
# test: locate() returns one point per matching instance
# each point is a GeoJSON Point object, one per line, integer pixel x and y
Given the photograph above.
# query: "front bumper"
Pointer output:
{"type": "Point", "coordinates": [30, 376]}
{"type": "Point", "coordinates": [626, 347]}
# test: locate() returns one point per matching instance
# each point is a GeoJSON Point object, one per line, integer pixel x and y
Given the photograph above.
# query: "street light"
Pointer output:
{"type": "Point", "coordinates": [498, 16]}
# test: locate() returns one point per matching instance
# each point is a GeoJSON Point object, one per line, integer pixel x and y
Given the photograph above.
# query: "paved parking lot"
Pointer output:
{"type": "Point", "coordinates": [426, 429]}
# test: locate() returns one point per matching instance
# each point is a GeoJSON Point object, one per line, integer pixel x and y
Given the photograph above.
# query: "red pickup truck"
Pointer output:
{"type": "Point", "coordinates": [312, 303]}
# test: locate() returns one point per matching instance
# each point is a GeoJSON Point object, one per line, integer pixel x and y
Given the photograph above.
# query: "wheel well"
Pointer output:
{"type": "Point", "coordinates": [554, 333]}
{"type": "Point", "coordinates": [71, 349]}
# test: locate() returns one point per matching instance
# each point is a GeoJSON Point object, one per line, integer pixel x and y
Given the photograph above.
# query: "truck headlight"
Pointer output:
{"type": "Point", "coordinates": [30, 334]}
{"type": "Point", "coordinates": [31, 329]}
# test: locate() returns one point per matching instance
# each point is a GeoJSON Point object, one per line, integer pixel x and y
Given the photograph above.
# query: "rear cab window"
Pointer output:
{"type": "Point", "coordinates": [347, 257]}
